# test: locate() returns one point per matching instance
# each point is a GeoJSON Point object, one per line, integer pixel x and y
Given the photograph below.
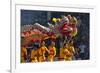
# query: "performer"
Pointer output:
{"type": "Point", "coordinates": [41, 52]}
{"type": "Point", "coordinates": [52, 52]}
{"type": "Point", "coordinates": [61, 54]}
{"type": "Point", "coordinates": [34, 55]}
{"type": "Point", "coordinates": [67, 52]}
{"type": "Point", "coordinates": [71, 49]}
{"type": "Point", "coordinates": [23, 54]}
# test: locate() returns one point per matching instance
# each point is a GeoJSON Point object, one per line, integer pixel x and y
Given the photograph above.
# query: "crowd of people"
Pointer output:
{"type": "Point", "coordinates": [44, 53]}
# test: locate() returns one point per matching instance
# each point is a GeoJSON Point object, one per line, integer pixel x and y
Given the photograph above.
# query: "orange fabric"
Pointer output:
{"type": "Point", "coordinates": [52, 53]}
{"type": "Point", "coordinates": [41, 51]}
